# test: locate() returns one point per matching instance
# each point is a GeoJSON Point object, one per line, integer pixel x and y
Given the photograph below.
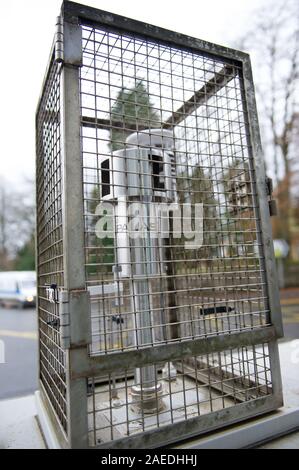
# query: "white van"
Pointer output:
{"type": "Point", "coordinates": [18, 288]}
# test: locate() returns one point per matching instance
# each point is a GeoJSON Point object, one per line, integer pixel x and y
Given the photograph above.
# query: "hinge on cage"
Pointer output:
{"type": "Point", "coordinates": [59, 55]}
{"type": "Point", "coordinates": [52, 293]}
{"type": "Point", "coordinates": [271, 201]}
{"type": "Point", "coordinates": [64, 320]}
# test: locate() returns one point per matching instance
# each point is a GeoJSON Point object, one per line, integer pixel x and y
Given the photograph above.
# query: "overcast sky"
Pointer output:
{"type": "Point", "coordinates": [27, 30]}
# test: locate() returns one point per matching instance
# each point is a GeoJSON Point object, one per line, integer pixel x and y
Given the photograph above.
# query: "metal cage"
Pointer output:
{"type": "Point", "coordinates": [158, 304]}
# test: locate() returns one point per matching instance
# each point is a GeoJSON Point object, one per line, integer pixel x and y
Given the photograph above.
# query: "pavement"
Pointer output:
{"type": "Point", "coordinates": [19, 428]}
{"type": "Point", "coordinates": [290, 441]}
{"type": "Point", "coordinates": [289, 299]}
{"type": "Point", "coordinates": [18, 334]}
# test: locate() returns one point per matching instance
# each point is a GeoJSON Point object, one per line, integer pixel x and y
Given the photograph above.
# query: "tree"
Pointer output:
{"type": "Point", "coordinates": [25, 258]}
{"type": "Point", "coordinates": [273, 42]}
{"type": "Point", "coordinates": [133, 109]}
{"type": "Point", "coordinates": [17, 221]}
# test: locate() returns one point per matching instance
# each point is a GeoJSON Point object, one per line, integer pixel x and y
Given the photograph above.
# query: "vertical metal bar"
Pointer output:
{"type": "Point", "coordinates": [146, 385]}
{"type": "Point", "coordinates": [73, 234]}
{"type": "Point", "coordinates": [265, 227]}
{"type": "Point", "coordinates": [37, 241]}
{"type": "Point", "coordinates": [275, 371]}
{"type": "Point", "coordinates": [254, 191]}
{"type": "Point", "coordinates": [266, 232]}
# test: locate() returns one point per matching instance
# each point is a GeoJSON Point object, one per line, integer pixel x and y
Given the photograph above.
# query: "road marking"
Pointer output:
{"type": "Point", "coordinates": [19, 334]}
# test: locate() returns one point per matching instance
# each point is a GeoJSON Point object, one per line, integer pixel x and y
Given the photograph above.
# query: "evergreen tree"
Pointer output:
{"type": "Point", "coordinates": [133, 109]}
{"type": "Point", "coordinates": [25, 259]}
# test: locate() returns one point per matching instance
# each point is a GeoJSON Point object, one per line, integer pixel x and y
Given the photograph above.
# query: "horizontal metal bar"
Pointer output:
{"type": "Point", "coordinates": [196, 426]}
{"type": "Point", "coordinates": [97, 365]}
{"type": "Point", "coordinates": [88, 15]}
{"type": "Point", "coordinates": [97, 123]}
{"type": "Point", "coordinates": [251, 434]}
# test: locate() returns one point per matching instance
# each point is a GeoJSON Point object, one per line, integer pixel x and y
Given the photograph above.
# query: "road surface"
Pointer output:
{"type": "Point", "coordinates": [18, 332]}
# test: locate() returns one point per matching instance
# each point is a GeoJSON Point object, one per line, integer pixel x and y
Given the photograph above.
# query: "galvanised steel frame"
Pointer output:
{"type": "Point", "coordinates": [66, 362]}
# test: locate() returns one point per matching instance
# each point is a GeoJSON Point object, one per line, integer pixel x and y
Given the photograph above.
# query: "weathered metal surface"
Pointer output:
{"type": "Point", "coordinates": [75, 12]}
{"type": "Point", "coordinates": [261, 185]}
{"type": "Point", "coordinates": [196, 426]}
{"type": "Point", "coordinates": [73, 254]}
{"type": "Point", "coordinates": [97, 365]}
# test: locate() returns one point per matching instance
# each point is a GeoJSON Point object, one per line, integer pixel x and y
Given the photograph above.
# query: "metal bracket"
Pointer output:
{"type": "Point", "coordinates": [64, 316]}
{"type": "Point", "coordinates": [74, 316]}
{"type": "Point", "coordinates": [269, 184]}
{"type": "Point", "coordinates": [52, 293]}
{"type": "Point", "coordinates": [68, 43]}
{"type": "Point", "coordinates": [271, 201]}
{"type": "Point", "coordinates": [68, 336]}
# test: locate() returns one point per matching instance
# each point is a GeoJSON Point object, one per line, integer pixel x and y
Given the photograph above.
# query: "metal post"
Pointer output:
{"type": "Point", "coordinates": [147, 391]}
{"type": "Point", "coordinates": [261, 187]}
{"type": "Point", "coordinates": [74, 236]}
{"type": "Point", "coordinates": [265, 227]}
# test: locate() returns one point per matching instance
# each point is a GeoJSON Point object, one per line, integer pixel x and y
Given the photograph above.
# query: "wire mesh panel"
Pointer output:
{"type": "Point", "coordinates": [182, 116]}
{"type": "Point", "coordinates": [202, 385]}
{"type": "Point", "coordinates": [167, 311]}
{"type": "Point", "coordinates": [49, 240]}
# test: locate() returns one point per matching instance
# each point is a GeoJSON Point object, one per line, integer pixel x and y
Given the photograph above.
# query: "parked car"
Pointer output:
{"type": "Point", "coordinates": [18, 288]}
